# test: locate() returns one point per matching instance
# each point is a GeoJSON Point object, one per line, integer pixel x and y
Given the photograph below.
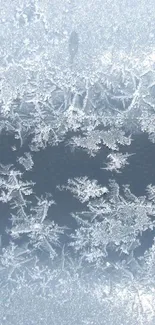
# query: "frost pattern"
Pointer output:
{"type": "Point", "coordinates": [117, 161]}
{"type": "Point", "coordinates": [111, 222]}
{"type": "Point", "coordinates": [84, 189]}
{"type": "Point", "coordinates": [42, 233]}
{"type": "Point", "coordinates": [79, 75]}
{"type": "Point", "coordinates": [27, 162]}
{"type": "Point", "coordinates": [13, 189]}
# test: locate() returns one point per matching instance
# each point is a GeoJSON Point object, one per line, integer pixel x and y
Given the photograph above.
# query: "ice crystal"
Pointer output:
{"type": "Point", "coordinates": [78, 76]}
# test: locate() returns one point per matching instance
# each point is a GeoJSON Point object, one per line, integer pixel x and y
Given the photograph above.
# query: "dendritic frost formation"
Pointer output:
{"type": "Point", "coordinates": [80, 74]}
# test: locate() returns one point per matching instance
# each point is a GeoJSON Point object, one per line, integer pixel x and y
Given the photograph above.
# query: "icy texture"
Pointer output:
{"type": "Point", "coordinates": [77, 74]}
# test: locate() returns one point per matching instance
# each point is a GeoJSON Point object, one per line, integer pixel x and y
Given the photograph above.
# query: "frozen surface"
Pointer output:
{"type": "Point", "coordinates": [77, 176]}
